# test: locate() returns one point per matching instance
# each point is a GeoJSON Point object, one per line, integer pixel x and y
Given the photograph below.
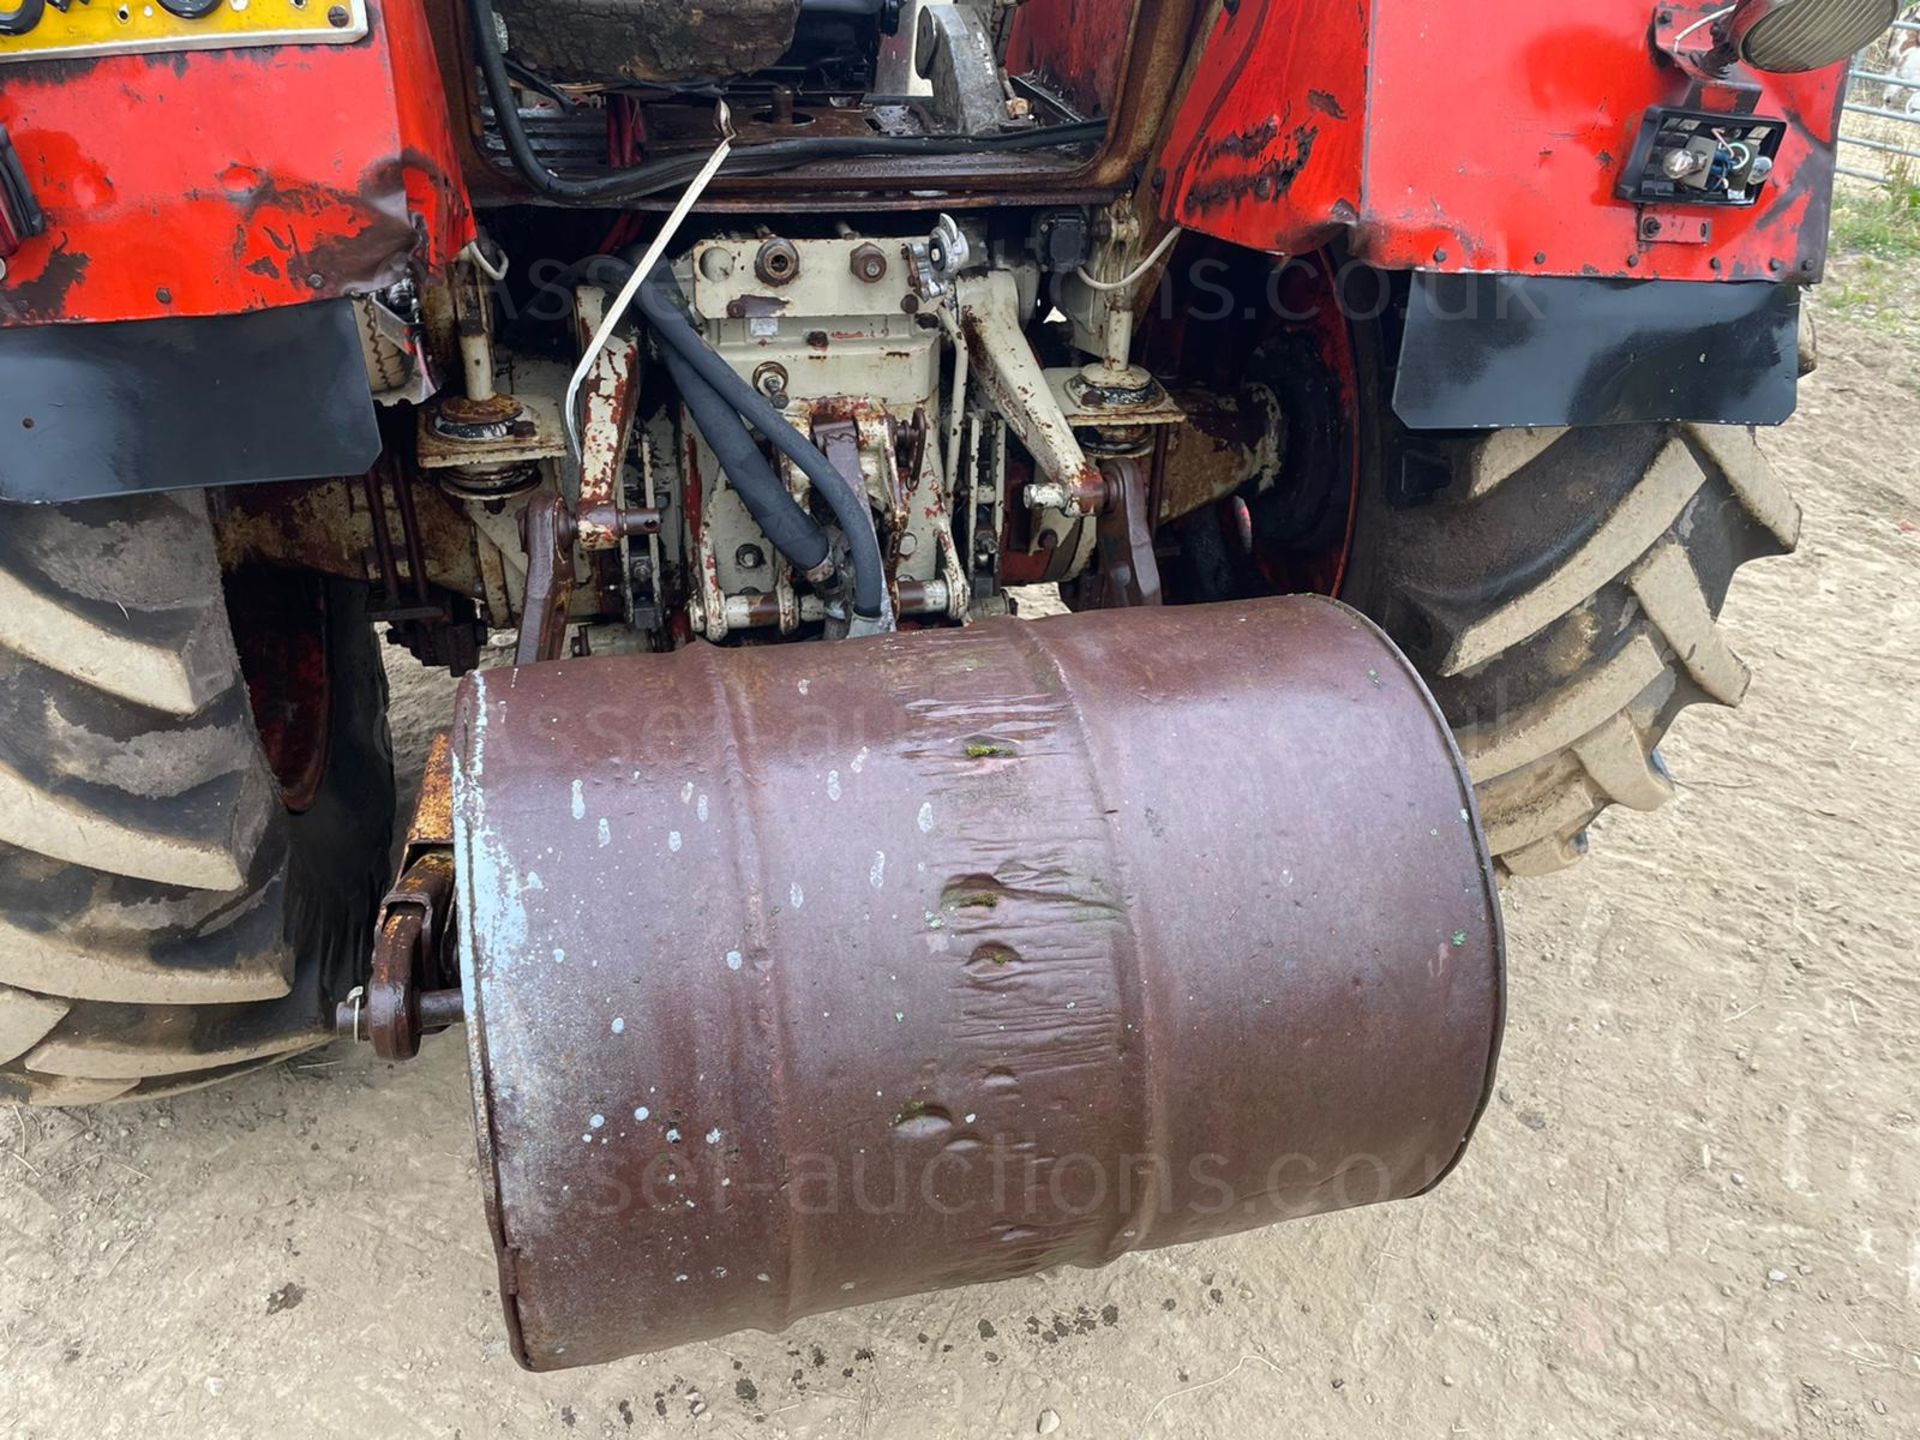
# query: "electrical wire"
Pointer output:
{"type": "Point", "coordinates": [494, 270]}
{"type": "Point", "coordinates": [656, 252]}
{"type": "Point", "coordinates": [1704, 21]}
{"type": "Point", "coordinates": [1139, 272]}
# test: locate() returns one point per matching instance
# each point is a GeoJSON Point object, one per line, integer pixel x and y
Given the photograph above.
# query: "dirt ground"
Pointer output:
{"type": "Point", "coordinates": [1692, 1211]}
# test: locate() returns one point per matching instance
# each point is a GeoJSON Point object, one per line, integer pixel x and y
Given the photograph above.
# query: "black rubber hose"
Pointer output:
{"type": "Point", "coordinates": [791, 531]}
{"type": "Point", "coordinates": [667, 174]}
{"type": "Point", "coordinates": [660, 301]}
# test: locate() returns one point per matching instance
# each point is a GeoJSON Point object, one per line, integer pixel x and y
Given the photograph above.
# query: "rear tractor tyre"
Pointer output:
{"type": "Point", "coordinates": [179, 901]}
{"type": "Point", "coordinates": [1561, 592]}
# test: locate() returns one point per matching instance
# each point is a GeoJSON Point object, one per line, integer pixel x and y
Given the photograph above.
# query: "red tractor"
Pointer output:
{"type": "Point", "coordinates": [1373, 383]}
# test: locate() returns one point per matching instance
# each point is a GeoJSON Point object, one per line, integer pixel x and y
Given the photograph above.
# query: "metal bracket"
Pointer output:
{"type": "Point", "coordinates": [1688, 34]}
{"type": "Point", "coordinates": [407, 994]}
{"type": "Point", "coordinates": [1085, 403]}
{"type": "Point", "coordinates": [1129, 574]}
{"type": "Point", "coordinates": [609, 400]}
{"type": "Point", "coordinates": [1671, 225]}
{"type": "Point", "coordinates": [955, 51]}
{"type": "Point", "coordinates": [413, 988]}
{"type": "Point", "coordinates": [548, 533]}
{"type": "Point", "coordinates": [1007, 369]}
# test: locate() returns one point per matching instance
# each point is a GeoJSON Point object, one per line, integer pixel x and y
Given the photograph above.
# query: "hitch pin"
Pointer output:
{"type": "Point", "coordinates": [724, 118]}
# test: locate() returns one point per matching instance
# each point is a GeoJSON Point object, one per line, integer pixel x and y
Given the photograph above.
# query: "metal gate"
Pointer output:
{"type": "Point", "coordinates": [1877, 118]}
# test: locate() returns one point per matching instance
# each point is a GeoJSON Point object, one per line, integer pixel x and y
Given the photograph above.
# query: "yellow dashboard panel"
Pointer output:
{"type": "Point", "coordinates": [63, 29]}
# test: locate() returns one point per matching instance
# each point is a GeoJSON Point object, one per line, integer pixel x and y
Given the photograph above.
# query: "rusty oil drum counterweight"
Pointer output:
{"type": "Point", "coordinates": [807, 976]}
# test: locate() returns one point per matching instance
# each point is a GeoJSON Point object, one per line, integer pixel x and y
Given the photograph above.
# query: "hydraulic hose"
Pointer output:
{"type": "Point", "coordinates": [660, 301]}
{"type": "Point", "coordinates": [666, 174]}
{"type": "Point", "coordinates": [790, 530]}
{"type": "Point", "coordinates": [793, 532]}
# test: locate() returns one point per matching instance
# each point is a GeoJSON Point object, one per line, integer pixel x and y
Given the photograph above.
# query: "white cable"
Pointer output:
{"type": "Point", "coordinates": [477, 253]}
{"type": "Point", "coordinates": [1127, 282]}
{"type": "Point", "coordinates": [653, 257]}
{"type": "Point", "coordinates": [1704, 21]}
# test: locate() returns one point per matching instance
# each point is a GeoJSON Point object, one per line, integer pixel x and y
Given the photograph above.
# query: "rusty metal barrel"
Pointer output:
{"type": "Point", "coordinates": [806, 976]}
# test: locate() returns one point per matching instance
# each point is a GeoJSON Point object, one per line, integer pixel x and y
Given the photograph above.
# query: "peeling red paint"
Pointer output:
{"type": "Point", "coordinates": [232, 181]}
{"type": "Point", "coordinates": [1471, 138]}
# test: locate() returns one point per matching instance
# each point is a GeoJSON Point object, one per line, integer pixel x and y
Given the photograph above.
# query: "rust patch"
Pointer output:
{"type": "Point", "coordinates": [354, 240]}
{"type": "Point", "coordinates": [1326, 103]}
{"type": "Point", "coordinates": [1246, 144]}
{"type": "Point", "coordinates": [43, 299]}
{"type": "Point", "coordinates": [1270, 181]}
{"type": "Point", "coordinates": [756, 307]}
{"type": "Point", "coordinates": [433, 812]}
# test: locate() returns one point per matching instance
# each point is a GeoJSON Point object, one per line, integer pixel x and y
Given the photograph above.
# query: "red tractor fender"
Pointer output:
{"type": "Point", "coordinates": [1478, 138]}
{"type": "Point", "coordinates": [232, 181]}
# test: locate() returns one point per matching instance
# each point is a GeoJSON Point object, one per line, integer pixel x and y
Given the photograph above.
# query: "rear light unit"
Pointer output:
{"type": "Point", "coordinates": [1701, 157]}
{"type": "Point", "coordinates": [1718, 150]}
{"type": "Point", "coordinates": [1792, 37]}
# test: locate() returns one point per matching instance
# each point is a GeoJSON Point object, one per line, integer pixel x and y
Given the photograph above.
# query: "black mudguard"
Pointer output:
{"type": "Point", "coordinates": [1484, 352]}
{"type": "Point", "coordinates": [91, 411]}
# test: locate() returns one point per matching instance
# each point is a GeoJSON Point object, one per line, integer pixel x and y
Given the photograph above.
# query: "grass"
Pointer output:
{"type": "Point", "coordinates": [1866, 289]}
{"type": "Point", "coordinates": [1883, 222]}
{"type": "Point", "coordinates": [1862, 285]}
{"type": "Point", "coordinates": [1876, 246]}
